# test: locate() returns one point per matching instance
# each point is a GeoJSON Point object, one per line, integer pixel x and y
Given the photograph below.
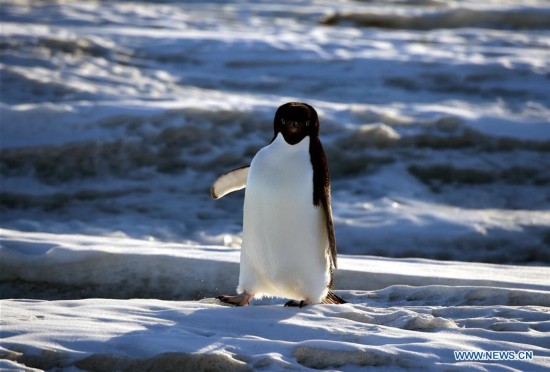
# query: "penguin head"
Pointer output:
{"type": "Point", "coordinates": [296, 120]}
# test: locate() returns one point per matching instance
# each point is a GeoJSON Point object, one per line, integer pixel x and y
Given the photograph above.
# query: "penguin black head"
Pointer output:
{"type": "Point", "coordinates": [296, 120]}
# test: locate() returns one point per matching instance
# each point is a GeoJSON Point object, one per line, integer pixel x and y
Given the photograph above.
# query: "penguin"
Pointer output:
{"type": "Point", "coordinates": [289, 246]}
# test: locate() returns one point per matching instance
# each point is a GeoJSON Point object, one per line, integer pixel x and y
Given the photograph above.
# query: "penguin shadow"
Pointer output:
{"type": "Point", "coordinates": [202, 329]}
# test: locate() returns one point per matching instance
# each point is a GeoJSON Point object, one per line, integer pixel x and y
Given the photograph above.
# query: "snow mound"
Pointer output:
{"type": "Point", "coordinates": [55, 266]}
{"type": "Point", "coordinates": [460, 296]}
{"type": "Point", "coordinates": [456, 17]}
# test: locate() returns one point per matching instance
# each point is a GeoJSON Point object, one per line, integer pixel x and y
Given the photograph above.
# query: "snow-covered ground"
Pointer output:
{"type": "Point", "coordinates": [402, 313]}
{"type": "Point", "coordinates": [116, 116]}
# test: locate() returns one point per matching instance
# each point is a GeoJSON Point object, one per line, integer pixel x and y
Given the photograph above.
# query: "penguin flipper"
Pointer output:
{"type": "Point", "coordinates": [321, 195]}
{"type": "Point", "coordinates": [228, 182]}
{"type": "Point", "coordinates": [327, 209]}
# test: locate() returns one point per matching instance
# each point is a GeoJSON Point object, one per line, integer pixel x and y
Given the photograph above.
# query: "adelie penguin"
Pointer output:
{"type": "Point", "coordinates": [289, 246]}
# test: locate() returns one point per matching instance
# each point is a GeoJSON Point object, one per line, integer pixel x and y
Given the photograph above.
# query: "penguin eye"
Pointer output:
{"type": "Point", "coordinates": [307, 123]}
{"type": "Point", "coordinates": [283, 121]}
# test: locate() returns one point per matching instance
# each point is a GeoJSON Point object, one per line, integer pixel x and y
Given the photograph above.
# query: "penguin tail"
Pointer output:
{"type": "Point", "coordinates": [331, 298]}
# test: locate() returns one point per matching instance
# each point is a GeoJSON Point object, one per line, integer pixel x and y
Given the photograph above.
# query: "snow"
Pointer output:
{"type": "Point", "coordinates": [402, 314]}
{"type": "Point", "coordinates": [117, 116]}
{"type": "Point", "coordinates": [95, 267]}
{"type": "Point", "coordinates": [72, 333]}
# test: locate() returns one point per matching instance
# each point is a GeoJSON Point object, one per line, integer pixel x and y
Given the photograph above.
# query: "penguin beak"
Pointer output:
{"type": "Point", "coordinates": [294, 132]}
{"type": "Point", "coordinates": [294, 127]}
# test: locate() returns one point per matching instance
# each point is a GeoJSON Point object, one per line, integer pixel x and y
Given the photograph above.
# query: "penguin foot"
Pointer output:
{"type": "Point", "coordinates": [295, 303]}
{"type": "Point", "coordinates": [331, 298]}
{"type": "Point", "coordinates": [242, 299]}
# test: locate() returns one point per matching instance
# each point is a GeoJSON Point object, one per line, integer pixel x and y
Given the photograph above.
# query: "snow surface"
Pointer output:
{"type": "Point", "coordinates": [423, 312]}
{"type": "Point", "coordinates": [117, 116]}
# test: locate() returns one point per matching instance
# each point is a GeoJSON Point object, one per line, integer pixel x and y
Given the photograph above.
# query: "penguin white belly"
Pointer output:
{"type": "Point", "coordinates": [284, 234]}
